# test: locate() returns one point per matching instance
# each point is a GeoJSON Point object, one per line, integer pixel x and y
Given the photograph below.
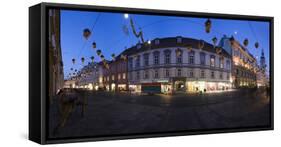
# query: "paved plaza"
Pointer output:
{"type": "Point", "coordinates": [111, 113]}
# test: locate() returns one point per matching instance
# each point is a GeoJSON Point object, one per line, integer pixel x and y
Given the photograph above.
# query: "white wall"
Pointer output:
{"type": "Point", "coordinates": [14, 65]}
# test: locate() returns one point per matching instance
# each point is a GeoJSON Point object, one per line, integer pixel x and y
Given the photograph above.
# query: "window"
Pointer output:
{"type": "Point", "coordinates": [119, 76]}
{"type": "Point", "coordinates": [167, 73]}
{"type": "Point", "coordinates": [191, 74]}
{"type": "Point", "coordinates": [146, 75]}
{"type": "Point", "coordinates": [138, 75]}
{"type": "Point", "coordinates": [221, 60]}
{"type": "Point", "coordinates": [212, 74]}
{"type": "Point", "coordinates": [130, 76]}
{"type": "Point", "coordinates": [130, 63]}
{"type": "Point", "coordinates": [179, 72]}
{"type": "Point", "coordinates": [221, 75]}
{"type": "Point", "coordinates": [156, 57]}
{"type": "Point", "coordinates": [167, 56]}
{"type": "Point", "coordinates": [191, 57]}
{"type": "Point", "coordinates": [228, 64]}
{"type": "Point", "coordinates": [179, 56]}
{"type": "Point", "coordinates": [112, 77]}
{"type": "Point", "coordinates": [124, 76]}
{"type": "Point", "coordinates": [138, 61]}
{"type": "Point", "coordinates": [146, 59]}
{"type": "Point", "coordinates": [156, 74]}
{"type": "Point", "coordinates": [202, 58]}
{"type": "Point", "coordinates": [212, 61]}
{"type": "Point", "coordinates": [202, 74]}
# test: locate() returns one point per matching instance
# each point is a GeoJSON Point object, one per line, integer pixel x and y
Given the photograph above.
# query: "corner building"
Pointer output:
{"type": "Point", "coordinates": [179, 64]}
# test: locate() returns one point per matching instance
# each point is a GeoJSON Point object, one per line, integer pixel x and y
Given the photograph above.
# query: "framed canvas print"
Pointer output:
{"type": "Point", "coordinates": [99, 73]}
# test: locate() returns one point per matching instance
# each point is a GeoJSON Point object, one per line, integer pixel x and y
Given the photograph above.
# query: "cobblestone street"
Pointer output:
{"type": "Point", "coordinates": [109, 113]}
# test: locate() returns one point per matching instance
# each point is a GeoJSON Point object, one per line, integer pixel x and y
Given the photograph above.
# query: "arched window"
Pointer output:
{"type": "Point", "coordinates": [202, 58]}
{"type": "Point", "coordinates": [191, 57]}
{"type": "Point", "coordinates": [167, 56]}
{"type": "Point", "coordinates": [156, 57]}
{"type": "Point", "coordinates": [179, 55]}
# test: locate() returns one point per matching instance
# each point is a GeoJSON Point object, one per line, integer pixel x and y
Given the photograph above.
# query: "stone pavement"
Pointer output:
{"type": "Point", "coordinates": [109, 113]}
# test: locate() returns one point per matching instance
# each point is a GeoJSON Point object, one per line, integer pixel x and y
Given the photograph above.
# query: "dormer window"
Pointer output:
{"type": "Point", "coordinates": [179, 40]}
{"type": "Point", "coordinates": [157, 41]}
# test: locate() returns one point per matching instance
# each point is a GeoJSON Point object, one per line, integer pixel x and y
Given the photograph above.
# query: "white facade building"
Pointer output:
{"type": "Point", "coordinates": [179, 65]}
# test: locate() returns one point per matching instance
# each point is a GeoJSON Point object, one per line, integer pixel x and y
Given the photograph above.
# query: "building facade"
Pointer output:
{"type": "Point", "coordinates": [179, 65]}
{"type": "Point", "coordinates": [115, 77]}
{"type": "Point", "coordinates": [56, 74]}
{"type": "Point", "coordinates": [262, 77]}
{"type": "Point", "coordinates": [244, 64]}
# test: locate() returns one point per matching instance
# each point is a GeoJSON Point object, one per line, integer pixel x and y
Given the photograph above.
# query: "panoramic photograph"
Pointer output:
{"type": "Point", "coordinates": [113, 73]}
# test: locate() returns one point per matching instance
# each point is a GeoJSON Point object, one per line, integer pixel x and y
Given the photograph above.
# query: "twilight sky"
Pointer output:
{"type": "Point", "coordinates": [110, 38]}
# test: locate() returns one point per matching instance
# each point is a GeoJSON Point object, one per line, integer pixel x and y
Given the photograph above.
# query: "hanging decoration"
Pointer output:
{"type": "Point", "coordinates": [139, 34]}
{"type": "Point", "coordinates": [73, 61]}
{"type": "Point", "coordinates": [82, 60]}
{"type": "Point", "coordinates": [94, 45]}
{"type": "Point", "coordinates": [86, 33]}
{"type": "Point", "coordinates": [257, 45]}
{"type": "Point", "coordinates": [92, 58]}
{"type": "Point", "coordinates": [98, 52]}
{"type": "Point", "coordinates": [246, 42]}
{"type": "Point", "coordinates": [75, 70]}
{"type": "Point", "coordinates": [232, 40]}
{"type": "Point", "coordinates": [102, 57]}
{"type": "Point", "coordinates": [201, 44]}
{"type": "Point", "coordinates": [208, 25]}
{"type": "Point", "coordinates": [71, 68]}
{"type": "Point", "coordinates": [215, 40]}
{"type": "Point", "coordinates": [113, 57]}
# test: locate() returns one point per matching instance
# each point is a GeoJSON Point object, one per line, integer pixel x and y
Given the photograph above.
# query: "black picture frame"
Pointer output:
{"type": "Point", "coordinates": [38, 69]}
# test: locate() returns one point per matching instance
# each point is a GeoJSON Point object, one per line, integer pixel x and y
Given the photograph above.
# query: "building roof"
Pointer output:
{"type": "Point", "coordinates": [171, 42]}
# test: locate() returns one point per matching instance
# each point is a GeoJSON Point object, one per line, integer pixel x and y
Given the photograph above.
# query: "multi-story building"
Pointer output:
{"type": "Point", "coordinates": [262, 78]}
{"type": "Point", "coordinates": [179, 64]}
{"type": "Point", "coordinates": [115, 77]}
{"type": "Point", "coordinates": [90, 76]}
{"type": "Point", "coordinates": [56, 75]}
{"type": "Point", "coordinates": [244, 64]}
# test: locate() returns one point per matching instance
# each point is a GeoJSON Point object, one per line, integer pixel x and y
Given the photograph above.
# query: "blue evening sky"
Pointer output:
{"type": "Point", "coordinates": [110, 38]}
